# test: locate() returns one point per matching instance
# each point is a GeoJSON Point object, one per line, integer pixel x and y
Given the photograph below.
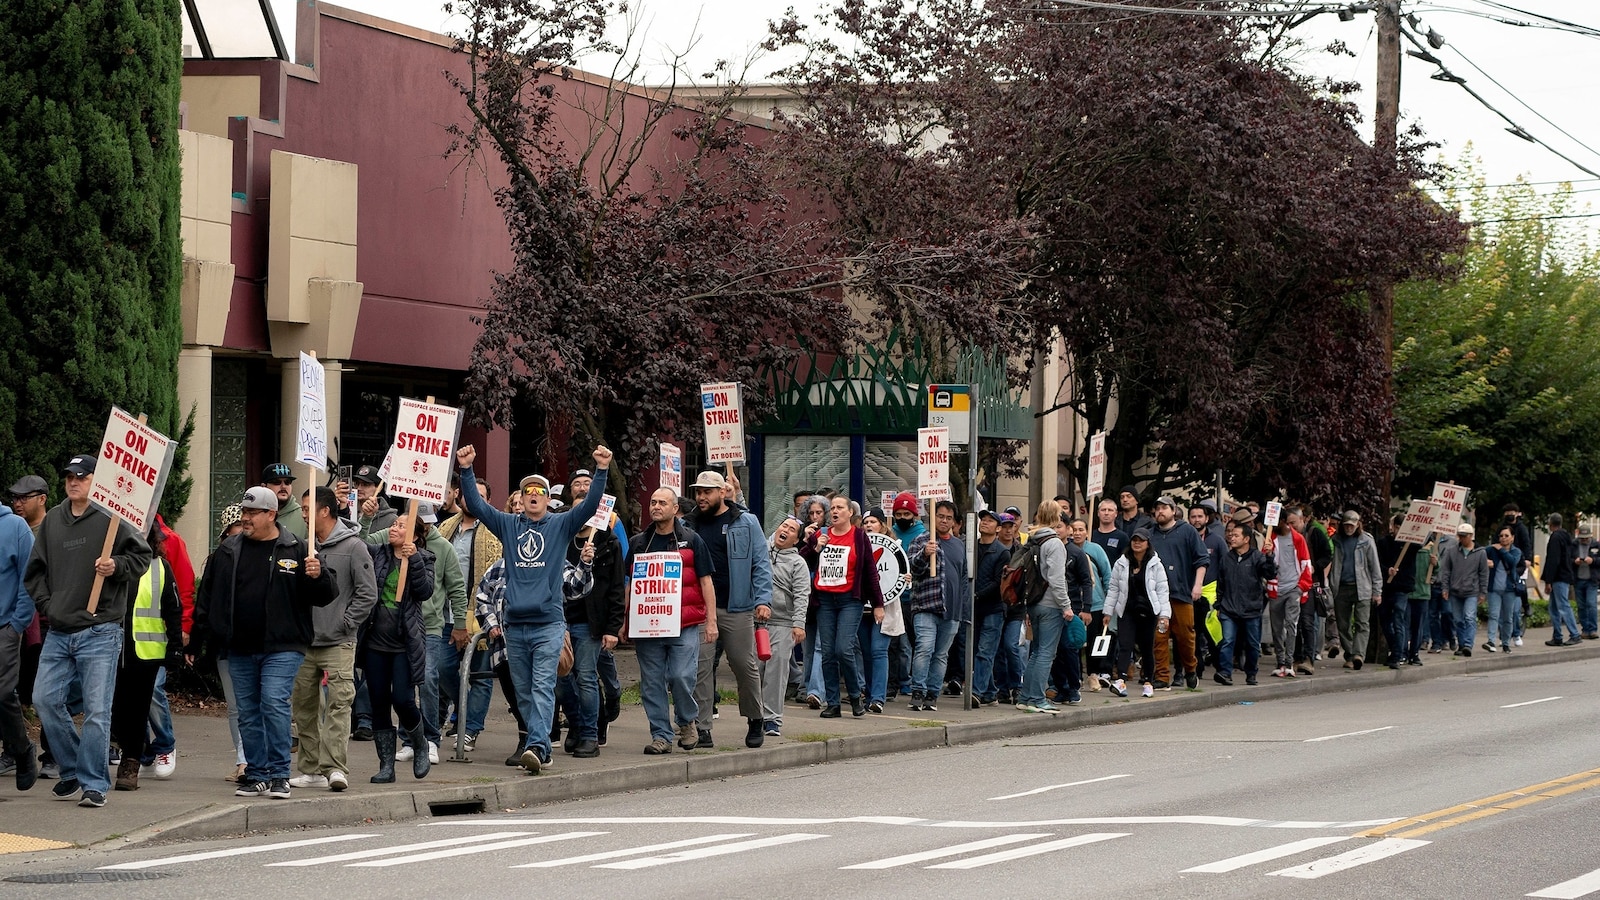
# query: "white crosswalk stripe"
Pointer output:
{"type": "Point", "coordinates": [238, 851]}
{"type": "Point", "coordinates": [1020, 852]}
{"type": "Point", "coordinates": [1349, 860]}
{"type": "Point", "coordinates": [953, 850]}
{"type": "Point", "coordinates": [1268, 855]}
{"type": "Point", "coordinates": [402, 848]}
{"type": "Point", "coordinates": [718, 850]}
{"type": "Point", "coordinates": [1582, 886]}
{"type": "Point", "coordinates": [477, 848]}
{"type": "Point", "coordinates": [632, 851]}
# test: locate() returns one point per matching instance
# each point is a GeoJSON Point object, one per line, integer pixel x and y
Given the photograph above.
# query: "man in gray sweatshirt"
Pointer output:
{"type": "Point", "coordinates": [324, 724]}
{"type": "Point", "coordinates": [82, 646]}
{"type": "Point", "coordinates": [1464, 578]}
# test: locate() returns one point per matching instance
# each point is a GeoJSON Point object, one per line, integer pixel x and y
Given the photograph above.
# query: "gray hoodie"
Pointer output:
{"type": "Point", "coordinates": [344, 555]}
{"type": "Point", "coordinates": [791, 587]}
{"type": "Point", "coordinates": [1464, 575]}
{"type": "Point", "coordinates": [61, 570]}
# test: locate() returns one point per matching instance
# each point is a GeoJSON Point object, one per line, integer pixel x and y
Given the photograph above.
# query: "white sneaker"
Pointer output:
{"type": "Point", "coordinates": [337, 781]}
{"type": "Point", "coordinates": [308, 781]}
{"type": "Point", "coordinates": [405, 753]}
{"type": "Point", "coordinates": [433, 753]}
{"type": "Point", "coordinates": [166, 763]}
{"type": "Point", "coordinates": [1517, 641]}
{"type": "Point", "coordinates": [1148, 690]}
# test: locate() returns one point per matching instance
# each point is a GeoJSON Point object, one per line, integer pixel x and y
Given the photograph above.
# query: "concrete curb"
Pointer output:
{"type": "Point", "coordinates": [224, 820]}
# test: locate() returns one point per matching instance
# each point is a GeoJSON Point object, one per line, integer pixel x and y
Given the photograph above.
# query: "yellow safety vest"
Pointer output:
{"type": "Point", "coordinates": [149, 631]}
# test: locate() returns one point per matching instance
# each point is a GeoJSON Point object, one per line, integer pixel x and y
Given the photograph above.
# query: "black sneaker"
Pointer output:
{"type": "Point", "coordinates": [253, 789]}
{"type": "Point", "coordinates": [916, 702]}
{"type": "Point", "coordinates": [1192, 679]}
{"type": "Point", "coordinates": [278, 789]}
{"type": "Point", "coordinates": [1570, 642]}
{"type": "Point", "coordinates": [1554, 643]}
{"type": "Point", "coordinates": [93, 799]}
{"type": "Point", "coordinates": [362, 733]}
{"type": "Point", "coordinates": [929, 703]}
{"type": "Point", "coordinates": [1161, 685]}
{"type": "Point", "coordinates": [877, 707]}
{"type": "Point", "coordinates": [833, 712]}
{"type": "Point", "coordinates": [586, 750]}
{"type": "Point", "coordinates": [1251, 679]}
{"type": "Point", "coordinates": [66, 789]}
{"type": "Point", "coordinates": [756, 735]}
{"type": "Point", "coordinates": [705, 740]}
{"type": "Point", "coordinates": [857, 708]}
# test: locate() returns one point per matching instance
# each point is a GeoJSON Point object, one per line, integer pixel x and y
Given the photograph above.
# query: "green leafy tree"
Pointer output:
{"type": "Point", "coordinates": [1496, 385]}
{"type": "Point", "coordinates": [90, 255]}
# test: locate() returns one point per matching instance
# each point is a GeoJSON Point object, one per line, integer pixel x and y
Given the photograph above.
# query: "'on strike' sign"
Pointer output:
{"type": "Point", "coordinates": [420, 460]}
{"type": "Point", "coordinates": [933, 464]}
{"type": "Point", "coordinates": [723, 409]}
{"type": "Point", "coordinates": [655, 595]}
{"type": "Point", "coordinates": [132, 472]}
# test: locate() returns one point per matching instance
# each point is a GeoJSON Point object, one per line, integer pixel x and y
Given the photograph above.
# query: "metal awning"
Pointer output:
{"type": "Point", "coordinates": [231, 29]}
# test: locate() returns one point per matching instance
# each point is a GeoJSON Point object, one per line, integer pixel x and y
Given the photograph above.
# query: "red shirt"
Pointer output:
{"type": "Point", "coordinates": [836, 569]}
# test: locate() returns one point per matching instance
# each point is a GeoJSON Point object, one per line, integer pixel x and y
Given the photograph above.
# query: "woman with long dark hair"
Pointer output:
{"type": "Point", "coordinates": [392, 644]}
{"type": "Point", "coordinates": [1138, 602]}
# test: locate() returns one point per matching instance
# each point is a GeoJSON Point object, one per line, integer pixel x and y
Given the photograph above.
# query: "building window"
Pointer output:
{"type": "Point", "coordinates": [801, 462]}
{"type": "Point", "coordinates": [889, 466]}
{"type": "Point", "coordinates": [230, 390]}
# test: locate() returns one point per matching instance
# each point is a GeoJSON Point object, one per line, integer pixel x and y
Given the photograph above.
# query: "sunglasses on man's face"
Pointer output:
{"type": "Point", "coordinates": [534, 490]}
{"type": "Point", "coordinates": [281, 481]}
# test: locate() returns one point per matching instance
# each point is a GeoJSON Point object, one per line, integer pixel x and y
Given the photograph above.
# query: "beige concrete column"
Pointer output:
{"type": "Point", "coordinates": [194, 392]}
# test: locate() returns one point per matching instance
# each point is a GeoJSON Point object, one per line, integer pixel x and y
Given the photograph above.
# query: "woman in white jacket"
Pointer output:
{"type": "Point", "coordinates": [1137, 602]}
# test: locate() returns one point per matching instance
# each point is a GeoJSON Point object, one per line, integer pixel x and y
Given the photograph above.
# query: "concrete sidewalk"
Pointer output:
{"type": "Point", "coordinates": [197, 803]}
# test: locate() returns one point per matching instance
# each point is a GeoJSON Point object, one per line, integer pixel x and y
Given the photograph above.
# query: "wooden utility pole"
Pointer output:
{"type": "Point", "coordinates": [1385, 126]}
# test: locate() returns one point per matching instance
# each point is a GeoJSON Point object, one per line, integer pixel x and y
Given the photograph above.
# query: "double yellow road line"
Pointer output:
{"type": "Point", "coordinates": [1427, 823]}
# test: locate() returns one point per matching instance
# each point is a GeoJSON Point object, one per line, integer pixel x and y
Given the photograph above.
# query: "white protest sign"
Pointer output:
{"type": "Point", "coordinates": [723, 408]}
{"type": "Point", "coordinates": [886, 500]}
{"type": "Point", "coordinates": [1273, 514]}
{"type": "Point", "coordinates": [132, 471]}
{"type": "Point", "coordinates": [602, 516]}
{"type": "Point", "coordinates": [311, 437]}
{"type": "Point", "coordinates": [933, 464]}
{"type": "Point", "coordinates": [1453, 497]}
{"type": "Point", "coordinates": [1421, 521]}
{"type": "Point", "coordinates": [1097, 465]}
{"type": "Point", "coordinates": [655, 596]}
{"type": "Point", "coordinates": [672, 467]}
{"type": "Point", "coordinates": [420, 459]}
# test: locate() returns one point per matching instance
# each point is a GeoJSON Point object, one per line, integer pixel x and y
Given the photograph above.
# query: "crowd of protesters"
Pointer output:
{"type": "Point", "coordinates": [333, 617]}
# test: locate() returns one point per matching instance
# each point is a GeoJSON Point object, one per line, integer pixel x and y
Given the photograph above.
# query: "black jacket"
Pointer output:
{"type": "Point", "coordinates": [606, 605]}
{"type": "Point", "coordinates": [1560, 556]}
{"type": "Point", "coordinates": [289, 603]}
{"type": "Point", "coordinates": [419, 587]}
{"type": "Point", "coordinates": [1242, 583]}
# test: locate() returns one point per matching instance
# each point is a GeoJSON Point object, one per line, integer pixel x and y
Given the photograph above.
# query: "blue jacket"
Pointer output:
{"type": "Point", "coordinates": [16, 546]}
{"type": "Point", "coordinates": [535, 552]}
{"type": "Point", "coordinates": [1102, 574]}
{"type": "Point", "coordinates": [749, 565]}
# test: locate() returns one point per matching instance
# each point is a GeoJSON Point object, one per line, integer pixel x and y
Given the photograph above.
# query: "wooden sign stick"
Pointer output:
{"type": "Point", "coordinates": [1399, 562]}
{"type": "Point", "coordinates": [311, 502]}
{"type": "Point", "coordinates": [411, 530]}
{"type": "Point", "coordinates": [105, 551]}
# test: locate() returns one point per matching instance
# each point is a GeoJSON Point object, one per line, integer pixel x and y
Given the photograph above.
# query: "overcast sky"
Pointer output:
{"type": "Point", "coordinates": [1554, 72]}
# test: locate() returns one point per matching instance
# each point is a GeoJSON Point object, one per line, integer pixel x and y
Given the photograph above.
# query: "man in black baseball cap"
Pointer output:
{"type": "Point", "coordinates": [279, 479]}
{"type": "Point", "coordinates": [30, 498]}
{"type": "Point", "coordinates": [374, 515]}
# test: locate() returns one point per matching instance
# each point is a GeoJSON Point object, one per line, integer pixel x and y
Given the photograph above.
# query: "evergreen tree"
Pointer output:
{"type": "Point", "coordinates": [90, 254]}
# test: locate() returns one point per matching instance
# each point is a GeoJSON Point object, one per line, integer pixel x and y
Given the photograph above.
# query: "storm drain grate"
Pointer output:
{"type": "Point", "coordinates": [85, 877]}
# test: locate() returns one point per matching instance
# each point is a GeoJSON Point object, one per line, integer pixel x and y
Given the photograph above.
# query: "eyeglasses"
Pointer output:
{"type": "Point", "coordinates": [280, 481]}
{"type": "Point", "coordinates": [534, 490]}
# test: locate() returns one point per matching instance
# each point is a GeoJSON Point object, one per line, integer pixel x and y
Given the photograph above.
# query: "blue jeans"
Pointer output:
{"type": "Point", "coordinates": [532, 653]}
{"type": "Point", "coordinates": [874, 656]}
{"type": "Point", "coordinates": [990, 627]}
{"type": "Point", "coordinates": [1440, 628]}
{"type": "Point", "coordinates": [361, 707]}
{"type": "Point", "coordinates": [263, 683]}
{"type": "Point", "coordinates": [437, 652]}
{"type": "Point", "coordinates": [88, 657]}
{"type": "Point", "coordinates": [480, 689]}
{"type": "Point", "coordinates": [1395, 611]}
{"type": "Point", "coordinates": [580, 688]}
{"type": "Point", "coordinates": [668, 665]}
{"type": "Point", "coordinates": [1418, 608]}
{"type": "Point", "coordinates": [1465, 612]}
{"type": "Point", "coordinates": [814, 686]}
{"type": "Point", "coordinates": [1011, 662]}
{"type": "Point", "coordinates": [1048, 623]}
{"type": "Point", "coordinates": [837, 623]}
{"type": "Point", "coordinates": [1503, 607]}
{"type": "Point", "coordinates": [934, 637]}
{"type": "Point", "coordinates": [1231, 629]}
{"type": "Point", "coordinates": [161, 737]}
{"type": "Point", "coordinates": [1585, 600]}
{"type": "Point", "coordinates": [1561, 610]}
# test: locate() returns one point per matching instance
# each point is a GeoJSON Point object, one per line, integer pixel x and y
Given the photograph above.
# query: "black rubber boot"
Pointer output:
{"type": "Point", "coordinates": [419, 760]}
{"type": "Point", "coordinates": [384, 740]}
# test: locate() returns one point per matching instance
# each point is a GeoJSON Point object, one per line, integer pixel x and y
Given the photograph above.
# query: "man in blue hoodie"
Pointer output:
{"type": "Point", "coordinates": [535, 625]}
{"type": "Point", "coordinates": [16, 614]}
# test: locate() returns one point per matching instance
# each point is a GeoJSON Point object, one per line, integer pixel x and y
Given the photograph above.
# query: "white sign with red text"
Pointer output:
{"type": "Point", "coordinates": [723, 409]}
{"type": "Point", "coordinates": [421, 457]}
{"type": "Point", "coordinates": [132, 471]}
{"type": "Point", "coordinates": [1421, 522]}
{"type": "Point", "coordinates": [1273, 513]}
{"type": "Point", "coordinates": [1097, 465]}
{"type": "Point", "coordinates": [655, 596]}
{"type": "Point", "coordinates": [933, 464]}
{"type": "Point", "coordinates": [1453, 497]}
{"type": "Point", "coordinates": [672, 467]}
{"type": "Point", "coordinates": [602, 516]}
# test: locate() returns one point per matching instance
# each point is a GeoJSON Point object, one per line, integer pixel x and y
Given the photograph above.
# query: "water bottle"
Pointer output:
{"type": "Point", "coordinates": [763, 644]}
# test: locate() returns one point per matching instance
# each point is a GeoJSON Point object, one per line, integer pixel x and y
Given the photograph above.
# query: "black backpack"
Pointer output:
{"type": "Point", "coordinates": [1023, 581]}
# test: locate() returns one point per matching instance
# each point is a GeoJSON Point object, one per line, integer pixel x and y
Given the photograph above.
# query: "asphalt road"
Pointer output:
{"type": "Point", "coordinates": [1364, 794]}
